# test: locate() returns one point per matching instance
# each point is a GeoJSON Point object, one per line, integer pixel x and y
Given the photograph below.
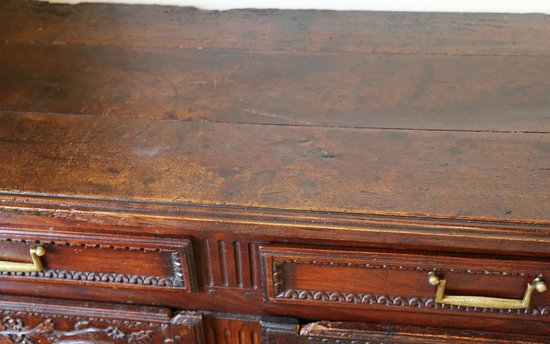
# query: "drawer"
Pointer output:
{"type": "Point", "coordinates": [90, 261]}
{"type": "Point", "coordinates": [43, 321]}
{"type": "Point", "coordinates": [326, 332]}
{"type": "Point", "coordinates": [398, 281]}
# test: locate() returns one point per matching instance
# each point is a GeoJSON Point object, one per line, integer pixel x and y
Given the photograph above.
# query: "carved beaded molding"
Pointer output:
{"type": "Point", "coordinates": [407, 268]}
{"type": "Point", "coordinates": [175, 281]}
{"type": "Point", "coordinates": [341, 297]}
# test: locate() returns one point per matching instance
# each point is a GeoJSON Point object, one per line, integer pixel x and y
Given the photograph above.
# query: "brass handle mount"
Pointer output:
{"type": "Point", "coordinates": [483, 301]}
{"type": "Point", "coordinates": [35, 266]}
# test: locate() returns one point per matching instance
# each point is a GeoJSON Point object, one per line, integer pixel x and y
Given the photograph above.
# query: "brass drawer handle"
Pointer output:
{"type": "Point", "coordinates": [483, 301]}
{"type": "Point", "coordinates": [36, 265]}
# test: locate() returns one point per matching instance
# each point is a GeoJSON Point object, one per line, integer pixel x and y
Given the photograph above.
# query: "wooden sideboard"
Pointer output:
{"type": "Point", "coordinates": [172, 175]}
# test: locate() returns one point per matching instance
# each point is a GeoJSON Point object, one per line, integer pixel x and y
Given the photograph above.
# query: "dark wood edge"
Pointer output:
{"type": "Point", "coordinates": [48, 204]}
{"type": "Point", "coordinates": [34, 201]}
{"type": "Point", "coordinates": [277, 330]}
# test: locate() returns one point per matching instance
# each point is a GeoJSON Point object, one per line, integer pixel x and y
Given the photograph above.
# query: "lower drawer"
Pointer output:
{"type": "Point", "coordinates": [359, 333]}
{"type": "Point", "coordinates": [43, 321]}
{"type": "Point", "coordinates": [418, 283]}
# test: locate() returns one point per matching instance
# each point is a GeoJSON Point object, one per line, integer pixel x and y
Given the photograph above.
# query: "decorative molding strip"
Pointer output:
{"type": "Point", "coordinates": [99, 277]}
{"type": "Point", "coordinates": [83, 245]}
{"type": "Point", "coordinates": [175, 281]}
{"type": "Point", "coordinates": [49, 203]}
{"type": "Point", "coordinates": [68, 207]}
{"type": "Point", "coordinates": [405, 268]}
{"type": "Point", "coordinates": [397, 301]}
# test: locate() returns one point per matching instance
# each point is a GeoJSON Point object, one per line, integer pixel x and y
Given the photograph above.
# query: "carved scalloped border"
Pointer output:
{"type": "Point", "coordinates": [176, 281]}
{"type": "Point", "coordinates": [340, 297]}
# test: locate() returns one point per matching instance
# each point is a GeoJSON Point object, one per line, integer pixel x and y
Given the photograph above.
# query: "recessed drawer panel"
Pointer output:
{"type": "Point", "coordinates": [415, 282]}
{"type": "Point", "coordinates": [97, 261]}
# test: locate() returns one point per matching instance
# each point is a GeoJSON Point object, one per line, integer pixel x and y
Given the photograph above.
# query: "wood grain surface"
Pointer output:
{"type": "Point", "coordinates": [429, 173]}
{"type": "Point", "coordinates": [427, 115]}
{"type": "Point", "coordinates": [360, 90]}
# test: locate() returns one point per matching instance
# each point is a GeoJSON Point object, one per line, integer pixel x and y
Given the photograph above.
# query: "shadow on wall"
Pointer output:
{"type": "Point", "coordinates": [502, 6]}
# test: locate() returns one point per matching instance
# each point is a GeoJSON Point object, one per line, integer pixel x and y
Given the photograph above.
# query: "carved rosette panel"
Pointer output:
{"type": "Point", "coordinates": [28, 328]}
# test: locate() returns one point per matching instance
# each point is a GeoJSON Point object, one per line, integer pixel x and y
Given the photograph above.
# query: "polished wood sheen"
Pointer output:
{"type": "Point", "coordinates": [269, 176]}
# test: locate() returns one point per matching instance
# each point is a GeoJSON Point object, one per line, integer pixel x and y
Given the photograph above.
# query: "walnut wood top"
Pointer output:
{"type": "Point", "coordinates": [434, 115]}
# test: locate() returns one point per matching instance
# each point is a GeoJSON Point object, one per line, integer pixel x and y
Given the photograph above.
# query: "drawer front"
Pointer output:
{"type": "Point", "coordinates": [43, 321]}
{"type": "Point", "coordinates": [391, 281]}
{"type": "Point", "coordinates": [325, 332]}
{"type": "Point", "coordinates": [100, 261]}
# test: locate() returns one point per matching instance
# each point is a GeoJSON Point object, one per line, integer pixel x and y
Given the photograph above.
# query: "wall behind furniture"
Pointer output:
{"type": "Point", "coordinates": [507, 6]}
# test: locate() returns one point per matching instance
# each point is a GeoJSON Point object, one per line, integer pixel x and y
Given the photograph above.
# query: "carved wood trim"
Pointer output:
{"type": "Point", "coordinates": [401, 267]}
{"type": "Point", "coordinates": [26, 320]}
{"type": "Point", "coordinates": [397, 301]}
{"type": "Point", "coordinates": [28, 327]}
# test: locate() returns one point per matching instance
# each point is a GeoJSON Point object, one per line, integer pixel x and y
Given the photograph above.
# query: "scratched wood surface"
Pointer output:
{"type": "Point", "coordinates": [421, 92]}
{"type": "Point", "coordinates": [271, 30]}
{"type": "Point", "coordinates": [371, 113]}
{"type": "Point", "coordinates": [465, 174]}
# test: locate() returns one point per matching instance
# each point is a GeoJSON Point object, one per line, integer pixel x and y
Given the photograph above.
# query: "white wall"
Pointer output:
{"type": "Point", "coordinates": [509, 6]}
